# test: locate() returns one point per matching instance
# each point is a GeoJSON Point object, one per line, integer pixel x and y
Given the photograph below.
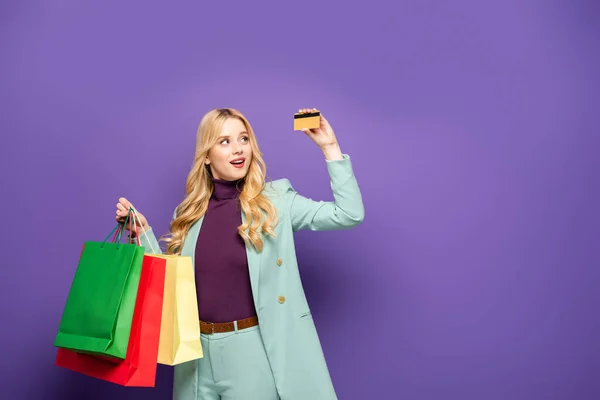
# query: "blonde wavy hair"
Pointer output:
{"type": "Point", "coordinates": [261, 214]}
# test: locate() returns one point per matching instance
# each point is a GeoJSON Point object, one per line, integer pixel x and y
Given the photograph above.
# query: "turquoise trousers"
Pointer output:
{"type": "Point", "coordinates": [234, 367]}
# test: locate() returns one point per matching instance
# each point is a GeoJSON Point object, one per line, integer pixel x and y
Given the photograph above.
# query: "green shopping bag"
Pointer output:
{"type": "Point", "coordinates": [99, 310]}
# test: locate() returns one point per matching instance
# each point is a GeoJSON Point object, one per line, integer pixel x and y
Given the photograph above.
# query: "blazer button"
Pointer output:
{"type": "Point", "coordinates": [279, 262]}
{"type": "Point", "coordinates": [281, 299]}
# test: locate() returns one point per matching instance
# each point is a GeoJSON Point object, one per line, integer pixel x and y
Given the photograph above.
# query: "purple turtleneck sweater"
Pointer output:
{"type": "Point", "coordinates": [222, 278]}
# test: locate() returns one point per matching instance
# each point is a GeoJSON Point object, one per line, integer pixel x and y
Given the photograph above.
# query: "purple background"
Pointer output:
{"type": "Point", "coordinates": [473, 130]}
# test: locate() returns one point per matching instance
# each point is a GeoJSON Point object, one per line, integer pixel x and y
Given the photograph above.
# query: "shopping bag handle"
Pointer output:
{"type": "Point", "coordinates": [134, 213]}
{"type": "Point", "coordinates": [118, 230]}
{"type": "Point", "coordinates": [133, 223]}
{"type": "Point", "coordinates": [120, 227]}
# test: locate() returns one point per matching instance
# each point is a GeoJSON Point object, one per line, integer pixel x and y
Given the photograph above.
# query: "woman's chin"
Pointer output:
{"type": "Point", "coordinates": [236, 175]}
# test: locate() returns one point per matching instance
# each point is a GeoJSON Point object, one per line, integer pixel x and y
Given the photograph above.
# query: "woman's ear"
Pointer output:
{"type": "Point", "coordinates": [206, 161]}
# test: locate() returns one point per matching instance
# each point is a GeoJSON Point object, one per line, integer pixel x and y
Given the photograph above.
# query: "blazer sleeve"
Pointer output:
{"type": "Point", "coordinates": [346, 211]}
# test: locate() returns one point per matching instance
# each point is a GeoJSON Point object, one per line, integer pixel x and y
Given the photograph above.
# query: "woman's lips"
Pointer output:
{"type": "Point", "coordinates": [239, 163]}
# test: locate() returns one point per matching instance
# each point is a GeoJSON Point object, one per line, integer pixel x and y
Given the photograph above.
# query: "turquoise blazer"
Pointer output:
{"type": "Point", "coordinates": [286, 324]}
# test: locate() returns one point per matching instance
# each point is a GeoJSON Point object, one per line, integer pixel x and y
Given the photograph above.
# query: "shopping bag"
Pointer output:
{"type": "Point", "coordinates": [180, 326]}
{"type": "Point", "coordinates": [139, 366]}
{"type": "Point", "coordinates": [99, 309]}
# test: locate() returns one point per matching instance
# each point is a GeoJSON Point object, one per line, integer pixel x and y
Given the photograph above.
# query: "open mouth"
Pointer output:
{"type": "Point", "coordinates": [239, 163]}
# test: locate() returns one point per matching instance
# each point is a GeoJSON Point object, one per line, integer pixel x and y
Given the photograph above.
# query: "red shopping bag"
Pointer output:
{"type": "Point", "coordinates": [139, 366]}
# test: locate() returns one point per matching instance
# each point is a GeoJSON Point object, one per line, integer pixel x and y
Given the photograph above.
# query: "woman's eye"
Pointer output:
{"type": "Point", "coordinates": [245, 138]}
{"type": "Point", "coordinates": [224, 141]}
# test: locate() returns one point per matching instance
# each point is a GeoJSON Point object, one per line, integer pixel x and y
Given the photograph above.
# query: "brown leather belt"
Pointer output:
{"type": "Point", "coordinates": [222, 327]}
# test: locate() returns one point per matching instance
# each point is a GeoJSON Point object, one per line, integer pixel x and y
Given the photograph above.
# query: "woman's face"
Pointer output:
{"type": "Point", "coordinates": [230, 158]}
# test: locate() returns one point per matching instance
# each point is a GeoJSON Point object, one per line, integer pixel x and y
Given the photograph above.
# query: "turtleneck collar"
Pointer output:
{"type": "Point", "coordinates": [226, 189]}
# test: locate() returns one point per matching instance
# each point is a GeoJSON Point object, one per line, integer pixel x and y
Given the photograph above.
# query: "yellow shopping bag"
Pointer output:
{"type": "Point", "coordinates": [180, 325]}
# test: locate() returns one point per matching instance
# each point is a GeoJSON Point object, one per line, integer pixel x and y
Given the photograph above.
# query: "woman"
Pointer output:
{"type": "Point", "coordinates": [257, 333]}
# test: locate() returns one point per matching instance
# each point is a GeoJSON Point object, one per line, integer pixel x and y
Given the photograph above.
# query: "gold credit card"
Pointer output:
{"type": "Point", "coordinates": [307, 120]}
